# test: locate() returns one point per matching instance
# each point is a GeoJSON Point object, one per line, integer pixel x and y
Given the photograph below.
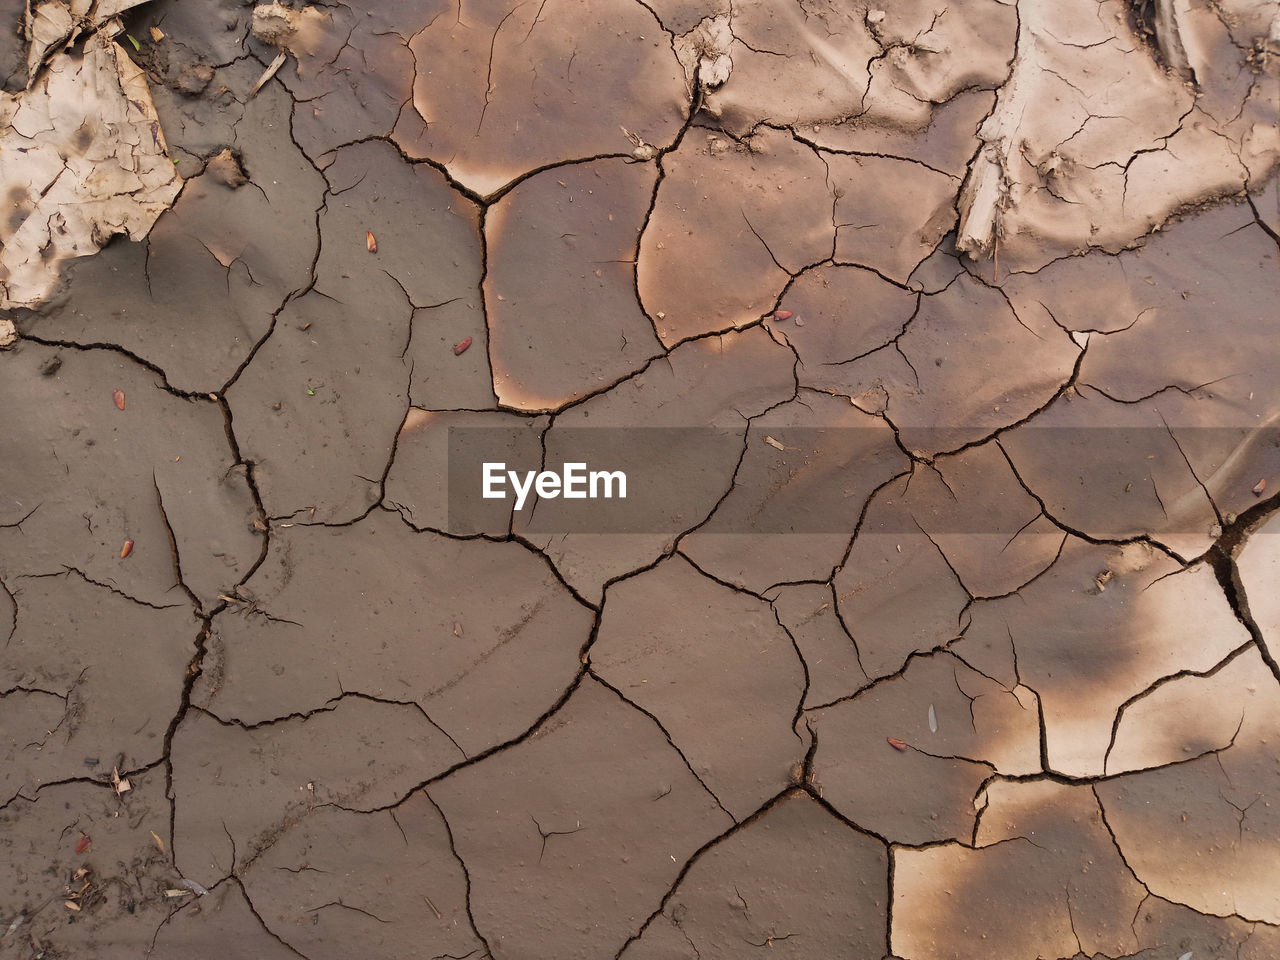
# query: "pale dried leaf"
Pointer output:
{"type": "Point", "coordinates": [69, 197]}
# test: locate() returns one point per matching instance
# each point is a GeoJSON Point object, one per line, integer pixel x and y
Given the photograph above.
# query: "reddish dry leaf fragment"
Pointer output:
{"type": "Point", "coordinates": [118, 396]}
{"type": "Point", "coordinates": [896, 743]}
{"type": "Point", "coordinates": [461, 346]}
{"type": "Point", "coordinates": [126, 549]}
{"type": "Point", "coordinates": [782, 314]}
{"type": "Point", "coordinates": [84, 843]}
{"type": "Point", "coordinates": [371, 242]}
{"type": "Point", "coordinates": [1259, 487]}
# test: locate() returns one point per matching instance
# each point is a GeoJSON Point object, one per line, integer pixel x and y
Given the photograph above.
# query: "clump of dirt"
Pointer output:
{"type": "Point", "coordinates": [225, 168]}
{"type": "Point", "coordinates": [194, 79]}
{"type": "Point", "coordinates": [298, 32]}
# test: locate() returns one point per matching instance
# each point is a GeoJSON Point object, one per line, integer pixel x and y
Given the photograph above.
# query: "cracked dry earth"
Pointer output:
{"type": "Point", "coordinates": [953, 635]}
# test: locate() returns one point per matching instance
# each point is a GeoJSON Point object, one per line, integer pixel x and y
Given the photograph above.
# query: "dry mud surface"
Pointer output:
{"type": "Point", "coordinates": [944, 621]}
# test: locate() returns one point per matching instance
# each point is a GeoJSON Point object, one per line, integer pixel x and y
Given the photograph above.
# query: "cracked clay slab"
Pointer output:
{"type": "Point", "coordinates": [573, 836]}
{"type": "Point", "coordinates": [1121, 619]}
{"type": "Point", "coordinates": [448, 643]}
{"type": "Point", "coordinates": [730, 224]}
{"type": "Point", "coordinates": [1050, 848]}
{"type": "Point", "coordinates": [1213, 811]}
{"type": "Point", "coordinates": [357, 754]}
{"type": "Point", "coordinates": [382, 883]}
{"type": "Point", "coordinates": [108, 660]}
{"type": "Point", "coordinates": [808, 468]}
{"type": "Point", "coordinates": [935, 338]}
{"type": "Point", "coordinates": [554, 343]}
{"type": "Point", "coordinates": [80, 477]}
{"type": "Point", "coordinates": [782, 881]}
{"type": "Point", "coordinates": [547, 70]}
{"type": "Point", "coordinates": [729, 677]}
{"type": "Point", "coordinates": [956, 728]}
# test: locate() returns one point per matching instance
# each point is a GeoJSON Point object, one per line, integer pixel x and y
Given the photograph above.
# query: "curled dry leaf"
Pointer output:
{"type": "Point", "coordinates": [126, 549]}
{"type": "Point", "coordinates": [159, 843]}
{"type": "Point", "coordinates": [1259, 487]}
{"type": "Point", "coordinates": [121, 784]}
{"type": "Point", "coordinates": [461, 346]}
{"type": "Point", "coordinates": [118, 396]}
{"type": "Point", "coordinates": [896, 743]}
{"type": "Point", "coordinates": [371, 242]}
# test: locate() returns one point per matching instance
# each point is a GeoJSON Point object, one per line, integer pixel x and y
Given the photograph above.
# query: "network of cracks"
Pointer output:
{"type": "Point", "coordinates": [961, 646]}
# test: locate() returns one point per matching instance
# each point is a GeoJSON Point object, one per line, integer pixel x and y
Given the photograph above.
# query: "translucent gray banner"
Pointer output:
{"type": "Point", "coordinates": [1119, 482]}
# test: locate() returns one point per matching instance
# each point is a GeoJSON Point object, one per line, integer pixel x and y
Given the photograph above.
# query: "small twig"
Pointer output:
{"type": "Point", "coordinates": [270, 72]}
{"type": "Point", "coordinates": [439, 916]}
